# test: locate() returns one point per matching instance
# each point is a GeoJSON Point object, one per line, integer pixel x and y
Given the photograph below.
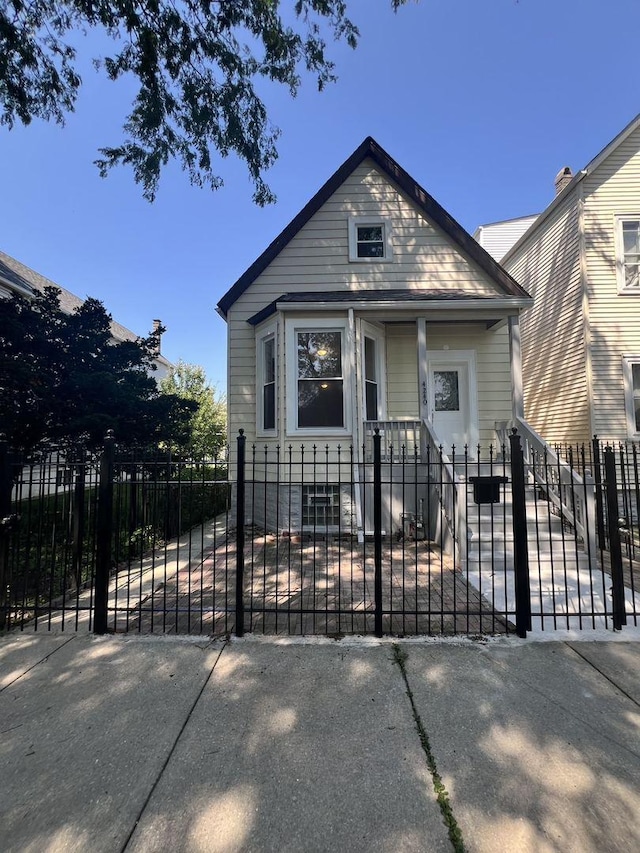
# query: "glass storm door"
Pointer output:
{"type": "Point", "coordinates": [449, 404]}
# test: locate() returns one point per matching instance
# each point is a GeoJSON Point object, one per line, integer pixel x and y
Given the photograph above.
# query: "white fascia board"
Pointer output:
{"type": "Point", "coordinates": [420, 305]}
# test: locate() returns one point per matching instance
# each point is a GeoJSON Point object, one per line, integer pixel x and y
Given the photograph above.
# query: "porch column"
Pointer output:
{"type": "Point", "coordinates": [516, 367]}
{"type": "Point", "coordinates": [423, 388]}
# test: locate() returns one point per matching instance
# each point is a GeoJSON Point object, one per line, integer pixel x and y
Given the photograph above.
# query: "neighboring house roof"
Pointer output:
{"type": "Point", "coordinates": [22, 279]}
{"type": "Point", "coordinates": [425, 202]}
{"type": "Point", "coordinates": [591, 166]}
{"type": "Point", "coordinates": [498, 237]}
{"type": "Point", "coordinates": [395, 297]}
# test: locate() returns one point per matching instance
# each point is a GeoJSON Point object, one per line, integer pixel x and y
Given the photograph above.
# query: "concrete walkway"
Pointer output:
{"type": "Point", "coordinates": [154, 744]}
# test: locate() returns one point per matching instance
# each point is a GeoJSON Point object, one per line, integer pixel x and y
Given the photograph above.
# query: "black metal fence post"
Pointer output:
{"type": "Point", "coordinates": [240, 496]}
{"type": "Point", "coordinates": [104, 535]}
{"type": "Point", "coordinates": [615, 548]}
{"type": "Point", "coordinates": [520, 545]}
{"type": "Point", "coordinates": [597, 477]}
{"type": "Point", "coordinates": [78, 520]}
{"type": "Point", "coordinates": [377, 531]}
{"type": "Point", "coordinates": [5, 528]}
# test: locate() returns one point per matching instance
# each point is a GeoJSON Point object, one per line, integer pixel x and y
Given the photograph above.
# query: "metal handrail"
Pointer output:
{"type": "Point", "coordinates": [453, 507]}
{"type": "Point", "coordinates": [572, 495]}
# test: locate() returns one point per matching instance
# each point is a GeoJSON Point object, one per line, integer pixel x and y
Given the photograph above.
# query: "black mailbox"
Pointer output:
{"type": "Point", "coordinates": [486, 489]}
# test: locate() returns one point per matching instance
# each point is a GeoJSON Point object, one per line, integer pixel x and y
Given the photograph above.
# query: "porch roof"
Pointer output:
{"type": "Point", "coordinates": [388, 299]}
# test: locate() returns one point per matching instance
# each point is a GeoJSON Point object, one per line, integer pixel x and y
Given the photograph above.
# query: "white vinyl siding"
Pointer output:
{"type": "Point", "coordinates": [493, 373]}
{"type": "Point", "coordinates": [553, 331]}
{"type": "Point", "coordinates": [498, 237]}
{"type": "Point", "coordinates": [613, 190]}
{"type": "Point", "coordinates": [402, 371]}
{"type": "Point", "coordinates": [317, 259]}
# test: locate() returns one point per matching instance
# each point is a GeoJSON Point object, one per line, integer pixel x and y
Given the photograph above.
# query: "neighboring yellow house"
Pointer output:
{"type": "Point", "coordinates": [580, 260]}
{"type": "Point", "coordinates": [373, 308]}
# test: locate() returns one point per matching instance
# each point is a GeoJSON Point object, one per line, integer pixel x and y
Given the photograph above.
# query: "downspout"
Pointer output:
{"type": "Point", "coordinates": [423, 395]}
{"type": "Point", "coordinates": [515, 355]}
{"type": "Point", "coordinates": [586, 324]}
{"type": "Point", "coordinates": [357, 428]}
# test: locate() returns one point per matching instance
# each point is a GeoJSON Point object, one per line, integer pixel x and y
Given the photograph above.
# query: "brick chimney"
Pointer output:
{"type": "Point", "coordinates": [563, 178]}
{"type": "Point", "coordinates": [156, 326]}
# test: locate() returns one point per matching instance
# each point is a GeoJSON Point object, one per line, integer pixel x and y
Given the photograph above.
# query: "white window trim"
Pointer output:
{"type": "Point", "coordinates": [264, 334]}
{"type": "Point", "coordinates": [627, 362]}
{"type": "Point", "coordinates": [620, 218]}
{"type": "Point", "coordinates": [376, 334]}
{"type": "Point", "coordinates": [356, 222]}
{"type": "Point", "coordinates": [311, 324]}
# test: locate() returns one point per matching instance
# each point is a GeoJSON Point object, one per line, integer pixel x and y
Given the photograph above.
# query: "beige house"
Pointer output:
{"type": "Point", "coordinates": [373, 308]}
{"type": "Point", "coordinates": [580, 260]}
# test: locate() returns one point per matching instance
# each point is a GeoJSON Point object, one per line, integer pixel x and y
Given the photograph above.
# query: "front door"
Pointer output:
{"type": "Point", "coordinates": [452, 400]}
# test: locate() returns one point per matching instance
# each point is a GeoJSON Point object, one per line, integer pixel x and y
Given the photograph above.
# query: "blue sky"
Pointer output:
{"type": "Point", "coordinates": [481, 102]}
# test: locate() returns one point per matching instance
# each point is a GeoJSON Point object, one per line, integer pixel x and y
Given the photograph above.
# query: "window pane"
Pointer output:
{"type": "Point", "coordinates": [369, 233]}
{"type": "Point", "coordinates": [636, 406]}
{"type": "Point", "coordinates": [269, 356]}
{"type": "Point", "coordinates": [446, 390]}
{"type": "Point", "coordinates": [630, 236]}
{"type": "Point", "coordinates": [370, 359]}
{"type": "Point", "coordinates": [319, 354]}
{"type": "Point", "coordinates": [269, 406]}
{"type": "Point", "coordinates": [635, 374]}
{"type": "Point", "coordinates": [371, 250]}
{"type": "Point", "coordinates": [631, 275]}
{"type": "Point", "coordinates": [371, 395]}
{"type": "Point", "coordinates": [320, 403]}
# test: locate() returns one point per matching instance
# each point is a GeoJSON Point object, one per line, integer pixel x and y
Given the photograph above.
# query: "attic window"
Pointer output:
{"type": "Point", "coordinates": [369, 240]}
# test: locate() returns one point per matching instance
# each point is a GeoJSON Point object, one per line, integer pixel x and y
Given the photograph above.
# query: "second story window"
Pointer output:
{"type": "Point", "coordinates": [629, 254]}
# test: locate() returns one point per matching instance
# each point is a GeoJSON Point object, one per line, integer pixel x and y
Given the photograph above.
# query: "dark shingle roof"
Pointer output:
{"type": "Point", "coordinates": [436, 213]}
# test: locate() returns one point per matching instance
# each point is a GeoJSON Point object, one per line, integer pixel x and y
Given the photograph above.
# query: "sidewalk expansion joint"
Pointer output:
{"type": "Point", "coordinates": [38, 662]}
{"type": "Point", "coordinates": [605, 676]}
{"type": "Point", "coordinates": [171, 751]}
{"type": "Point", "coordinates": [442, 795]}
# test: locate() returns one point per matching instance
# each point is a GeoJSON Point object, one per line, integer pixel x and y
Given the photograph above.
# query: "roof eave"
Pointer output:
{"type": "Point", "coordinates": [506, 305]}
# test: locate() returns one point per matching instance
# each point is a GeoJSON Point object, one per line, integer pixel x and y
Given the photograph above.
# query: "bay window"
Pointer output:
{"type": "Point", "coordinates": [317, 389]}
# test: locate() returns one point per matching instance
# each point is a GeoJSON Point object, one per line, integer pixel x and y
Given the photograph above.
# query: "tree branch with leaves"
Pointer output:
{"type": "Point", "coordinates": [198, 65]}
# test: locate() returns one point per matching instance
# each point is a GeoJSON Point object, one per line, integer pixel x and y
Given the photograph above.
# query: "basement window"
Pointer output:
{"type": "Point", "coordinates": [320, 506]}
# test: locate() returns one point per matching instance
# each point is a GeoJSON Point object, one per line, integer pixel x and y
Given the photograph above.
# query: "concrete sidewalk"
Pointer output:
{"type": "Point", "coordinates": [152, 744]}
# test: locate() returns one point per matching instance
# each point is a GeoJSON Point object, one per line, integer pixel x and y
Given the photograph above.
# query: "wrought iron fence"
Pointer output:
{"type": "Point", "coordinates": [322, 539]}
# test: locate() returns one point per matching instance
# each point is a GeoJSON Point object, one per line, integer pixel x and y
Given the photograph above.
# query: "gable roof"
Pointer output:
{"type": "Point", "coordinates": [589, 169]}
{"type": "Point", "coordinates": [425, 202]}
